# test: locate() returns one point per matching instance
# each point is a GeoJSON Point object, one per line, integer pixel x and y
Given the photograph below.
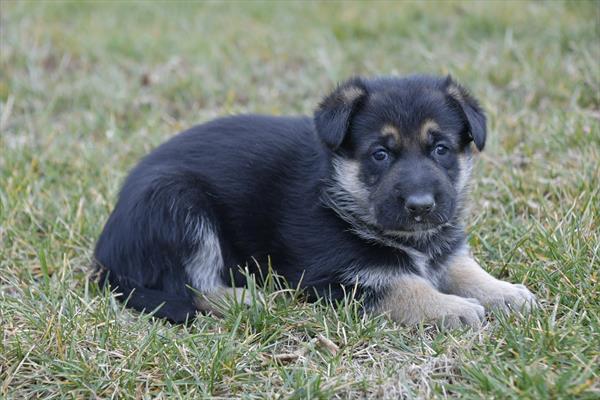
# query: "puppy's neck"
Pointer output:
{"type": "Point", "coordinates": [429, 244]}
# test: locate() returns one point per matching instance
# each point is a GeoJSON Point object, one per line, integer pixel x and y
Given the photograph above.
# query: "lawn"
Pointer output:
{"type": "Point", "coordinates": [88, 88]}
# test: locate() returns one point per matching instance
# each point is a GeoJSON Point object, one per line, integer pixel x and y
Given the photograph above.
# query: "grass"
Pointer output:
{"type": "Point", "coordinates": [87, 88]}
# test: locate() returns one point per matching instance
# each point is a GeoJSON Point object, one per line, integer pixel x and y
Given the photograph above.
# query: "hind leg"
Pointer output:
{"type": "Point", "coordinates": [159, 241]}
{"type": "Point", "coordinates": [204, 269]}
{"type": "Point", "coordinates": [204, 266]}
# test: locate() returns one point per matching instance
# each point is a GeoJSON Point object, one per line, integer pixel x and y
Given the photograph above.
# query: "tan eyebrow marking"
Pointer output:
{"type": "Point", "coordinates": [428, 126]}
{"type": "Point", "coordinates": [391, 130]}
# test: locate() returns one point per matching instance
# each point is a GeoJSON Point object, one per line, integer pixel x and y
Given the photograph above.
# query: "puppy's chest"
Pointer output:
{"type": "Point", "coordinates": [430, 268]}
{"type": "Point", "coordinates": [383, 265]}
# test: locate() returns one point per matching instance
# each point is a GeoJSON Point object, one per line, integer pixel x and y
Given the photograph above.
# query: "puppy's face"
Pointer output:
{"type": "Point", "coordinates": [403, 157]}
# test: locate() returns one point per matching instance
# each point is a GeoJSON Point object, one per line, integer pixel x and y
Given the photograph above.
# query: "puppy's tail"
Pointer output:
{"type": "Point", "coordinates": [174, 308]}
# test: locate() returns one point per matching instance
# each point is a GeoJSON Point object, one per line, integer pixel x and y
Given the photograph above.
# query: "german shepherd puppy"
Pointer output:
{"type": "Point", "coordinates": [369, 195]}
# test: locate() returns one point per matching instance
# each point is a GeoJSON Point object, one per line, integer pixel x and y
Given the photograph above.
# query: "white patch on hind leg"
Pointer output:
{"type": "Point", "coordinates": [205, 266]}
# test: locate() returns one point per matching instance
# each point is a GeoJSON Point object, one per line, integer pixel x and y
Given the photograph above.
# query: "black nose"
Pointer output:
{"type": "Point", "coordinates": [418, 205]}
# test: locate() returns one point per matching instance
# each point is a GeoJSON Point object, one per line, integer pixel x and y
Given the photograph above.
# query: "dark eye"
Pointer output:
{"type": "Point", "coordinates": [441, 150]}
{"type": "Point", "coordinates": [380, 155]}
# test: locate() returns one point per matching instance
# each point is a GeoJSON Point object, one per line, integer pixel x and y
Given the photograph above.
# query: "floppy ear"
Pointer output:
{"type": "Point", "coordinates": [332, 117]}
{"type": "Point", "coordinates": [472, 111]}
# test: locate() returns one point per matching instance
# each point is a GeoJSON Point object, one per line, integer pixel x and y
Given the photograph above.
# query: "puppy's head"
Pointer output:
{"type": "Point", "coordinates": [402, 150]}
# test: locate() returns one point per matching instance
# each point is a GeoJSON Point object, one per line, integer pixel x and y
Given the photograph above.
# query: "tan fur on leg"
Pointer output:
{"type": "Point", "coordinates": [412, 299]}
{"type": "Point", "coordinates": [466, 278]}
{"type": "Point", "coordinates": [218, 301]}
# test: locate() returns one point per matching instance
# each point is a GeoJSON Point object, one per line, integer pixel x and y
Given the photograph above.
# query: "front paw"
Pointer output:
{"type": "Point", "coordinates": [454, 311]}
{"type": "Point", "coordinates": [411, 300]}
{"type": "Point", "coordinates": [504, 296]}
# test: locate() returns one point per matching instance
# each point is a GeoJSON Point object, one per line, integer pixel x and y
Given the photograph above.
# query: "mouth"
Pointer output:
{"type": "Point", "coordinates": [418, 225]}
{"type": "Point", "coordinates": [398, 223]}
{"type": "Point", "coordinates": [417, 228]}
{"type": "Point", "coordinates": [420, 222]}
